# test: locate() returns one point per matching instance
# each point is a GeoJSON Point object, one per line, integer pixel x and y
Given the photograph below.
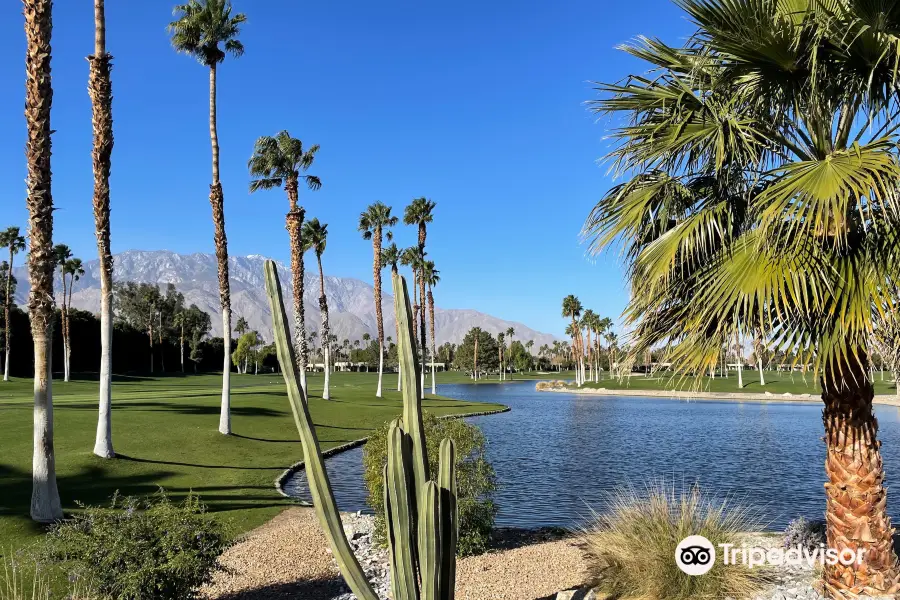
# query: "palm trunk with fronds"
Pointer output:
{"type": "Point", "coordinates": [855, 514]}
{"type": "Point", "coordinates": [433, 350]}
{"type": "Point", "coordinates": [217, 200]}
{"type": "Point", "coordinates": [7, 309]}
{"type": "Point", "coordinates": [323, 309]}
{"type": "Point", "coordinates": [294, 223]}
{"type": "Point", "coordinates": [69, 331]}
{"type": "Point", "coordinates": [379, 318]}
{"type": "Point", "coordinates": [45, 503]}
{"type": "Point", "coordinates": [63, 321]}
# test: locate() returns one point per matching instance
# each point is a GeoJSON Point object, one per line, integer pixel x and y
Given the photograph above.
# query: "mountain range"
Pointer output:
{"type": "Point", "coordinates": [351, 302]}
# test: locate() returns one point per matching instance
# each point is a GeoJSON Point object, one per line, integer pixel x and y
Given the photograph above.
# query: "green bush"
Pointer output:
{"type": "Point", "coordinates": [631, 547]}
{"type": "Point", "coordinates": [474, 474]}
{"type": "Point", "coordinates": [140, 549]}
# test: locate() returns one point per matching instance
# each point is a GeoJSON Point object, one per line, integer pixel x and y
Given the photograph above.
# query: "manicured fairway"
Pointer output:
{"type": "Point", "coordinates": [165, 434]}
{"type": "Point", "coordinates": [776, 383]}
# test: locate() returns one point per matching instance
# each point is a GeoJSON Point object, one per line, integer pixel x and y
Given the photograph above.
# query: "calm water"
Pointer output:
{"type": "Point", "coordinates": [558, 455]}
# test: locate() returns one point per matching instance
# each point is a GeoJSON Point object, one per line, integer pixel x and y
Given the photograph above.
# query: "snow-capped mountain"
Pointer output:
{"type": "Point", "coordinates": [351, 304]}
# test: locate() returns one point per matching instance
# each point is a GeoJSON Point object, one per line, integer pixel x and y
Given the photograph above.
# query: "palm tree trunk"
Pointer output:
{"type": "Point", "coordinates": [6, 314]}
{"type": "Point", "coordinates": [856, 516]}
{"type": "Point", "coordinates": [150, 333]}
{"type": "Point", "coordinates": [294, 221]}
{"type": "Point", "coordinates": [323, 309]}
{"type": "Point", "coordinates": [475, 366]}
{"type": "Point", "coordinates": [433, 351]}
{"type": "Point", "coordinates": [376, 276]}
{"type": "Point", "coordinates": [217, 200]}
{"type": "Point", "coordinates": [69, 331]}
{"type": "Point", "coordinates": [62, 319]}
{"type": "Point", "coordinates": [45, 503]}
{"type": "Point", "coordinates": [759, 366]}
{"type": "Point", "coordinates": [423, 339]}
{"type": "Point", "coordinates": [181, 349]}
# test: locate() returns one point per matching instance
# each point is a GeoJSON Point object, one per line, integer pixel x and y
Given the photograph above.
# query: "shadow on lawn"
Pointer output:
{"type": "Point", "coordinates": [198, 466]}
{"type": "Point", "coordinates": [176, 407]}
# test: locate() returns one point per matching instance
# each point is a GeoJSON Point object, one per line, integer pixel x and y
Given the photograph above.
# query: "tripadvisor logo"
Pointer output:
{"type": "Point", "coordinates": [696, 555]}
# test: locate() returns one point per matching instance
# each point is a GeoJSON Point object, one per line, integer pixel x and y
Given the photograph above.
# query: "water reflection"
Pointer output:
{"type": "Point", "coordinates": [558, 455]}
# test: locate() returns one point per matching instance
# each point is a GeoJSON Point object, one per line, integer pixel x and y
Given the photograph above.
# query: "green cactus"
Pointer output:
{"type": "Point", "coordinates": [421, 515]}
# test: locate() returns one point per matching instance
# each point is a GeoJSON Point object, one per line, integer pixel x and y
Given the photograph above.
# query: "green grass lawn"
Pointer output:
{"type": "Point", "coordinates": [165, 435]}
{"type": "Point", "coordinates": [776, 383]}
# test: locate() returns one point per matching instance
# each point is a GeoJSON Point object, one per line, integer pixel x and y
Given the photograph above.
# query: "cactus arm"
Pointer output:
{"type": "Point", "coordinates": [401, 524]}
{"type": "Point", "coordinates": [449, 518]}
{"type": "Point", "coordinates": [388, 522]}
{"type": "Point", "coordinates": [319, 485]}
{"type": "Point", "coordinates": [430, 549]}
{"type": "Point", "coordinates": [409, 369]}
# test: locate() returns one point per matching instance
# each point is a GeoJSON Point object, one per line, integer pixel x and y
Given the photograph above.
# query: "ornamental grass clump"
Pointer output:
{"type": "Point", "coordinates": [631, 547]}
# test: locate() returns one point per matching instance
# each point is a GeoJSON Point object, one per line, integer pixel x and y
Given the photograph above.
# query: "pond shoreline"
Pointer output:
{"type": "Point", "coordinates": [299, 466]}
{"type": "Point", "coordinates": [886, 400]}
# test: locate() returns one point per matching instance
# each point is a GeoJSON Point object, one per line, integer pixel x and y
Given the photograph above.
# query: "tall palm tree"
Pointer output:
{"type": "Point", "coordinates": [390, 257]}
{"type": "Point", "coordinates": [13, 241]}
{"type": "Point", "coordinates": [374, 223]}
{"type": "Point", "coordinates": [62, 255]}
{"type": "Point", "coordinates": [100, 91]}
{"type": "Point", "coordinates": [74, 269]}
{"type": "Point", "coordinates": [409, 257]}
{"type": "Point", "coordinates": [763, 165]}
{"type": "Point", "coordinates": [432, 277]}
{"type": "Point", "coordinates": [501, 346]}
{"type": "Point", "coordinates": [206, 30]}
{"type": "Point", "coordinates": [420, 212]}
{"type": "Point", "coordinates": [315, 237]}
{"type": "Point", "coordinates": [571, 307]}
{"type": "Point", "coordinates": [587, 324]}
{"type": "Point", "coordinates": [510, 333]}
{"type": "Point", "coordinates": [45, 503]}
{"type": "Point", "coordinates": [477, 333]}
{"type": "Point", "coordinates": [281, 161]}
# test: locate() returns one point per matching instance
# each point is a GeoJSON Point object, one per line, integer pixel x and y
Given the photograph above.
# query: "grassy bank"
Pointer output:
{"type": "Point", "coordinates": [776, 383]}
{"type": "Point", "coordinates": [165, 433]}
{"type": "Point", "coordinates": [461, 377]}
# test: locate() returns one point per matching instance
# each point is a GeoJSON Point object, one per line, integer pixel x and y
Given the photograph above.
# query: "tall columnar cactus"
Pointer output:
{"type": "Point", "coordinates": [421, 514]}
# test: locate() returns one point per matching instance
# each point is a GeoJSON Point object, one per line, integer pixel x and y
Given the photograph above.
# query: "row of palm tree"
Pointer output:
{"type": "Point", "coordinates": [11, 240]}
{"type": "Point", "coordinates": [586, 330]}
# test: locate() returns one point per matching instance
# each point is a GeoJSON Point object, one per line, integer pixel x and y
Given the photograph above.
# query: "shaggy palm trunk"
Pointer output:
{"type": "Point", "coordinates": [63, 321]}
{"type": "Point", "coordinates": [323, 309]}
{"type": "Point", "coordinates": [217, 200]}
{"type": "Point", "coordinates": [855, 514]}
{"type": "Point", "coordinates": [45, 504]}
{"type": "Point", "coordinates": [376, 273]}
{"type": "Point", "coordinates": [294, 221]}
{"type": "Point", "coordinates": [7, 306]}
{"type": "Point", "coordinates": [433, 349]}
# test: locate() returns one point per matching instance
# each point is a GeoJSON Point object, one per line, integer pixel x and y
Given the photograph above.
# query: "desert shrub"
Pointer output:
{"type": "Point", "coordinates": [801, 533]}
{"type": "Point", "coordinates": [474, 478]}
{"type": "Point", "coordinates": [138, 549]}
{"type": "Point", "coordinates": [631, 546]}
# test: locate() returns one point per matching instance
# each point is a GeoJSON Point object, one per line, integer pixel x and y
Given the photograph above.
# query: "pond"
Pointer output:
{"type": "Point", "coordinates": [558, 456]}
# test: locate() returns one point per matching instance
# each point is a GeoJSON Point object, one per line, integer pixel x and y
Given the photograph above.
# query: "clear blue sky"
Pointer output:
{"type": "Point", "coordinates": [477, 105]}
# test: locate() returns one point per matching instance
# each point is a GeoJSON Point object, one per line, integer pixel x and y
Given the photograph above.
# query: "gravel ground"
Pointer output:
{"type": "Point", "coordinates": [288, 557]}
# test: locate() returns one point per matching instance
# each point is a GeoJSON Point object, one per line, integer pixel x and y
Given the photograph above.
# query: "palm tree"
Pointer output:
{"type": "Point", "coordinates": [100, 91]}
{"type": "Point", "coordinates": [432, 277]}
{"type": "Point", "coordinates": [477, 333]}
{"type": "Point", "coordinates": [74, 269]}
{"type": "Point", "coordinates": [390, 257]}
{"type": "Point", "coordinates": [571, 307]}
{"type": "Point", "coordinates": [420, 212]}
{"type": "Point", "coordinates": [62, 255]}
{"type": "Point", "coordinates": [15, 243]}
{"type": "Point", "coordinates": [281, 161]}
{"type": "Point", "coordinates": [206, 30]}
{"type": "Point", "coordinates": [409, 257]}
{"type": "Point", "coordinates": [501, 346]}
{"type": "Point", "coordinates": [373, 222]}
{"type": "Point", "coordinates": [315, 237]}
{"type": "Point", "coordinates": [45, 503]}
{"type": "Point", "coordinates": [528, 346]}
{"type": "Point", "coordinates": [763, 192]}
{"type": "Point", "coordinates": [604, 325]}
{"type": "Point", "coordinates": [510, 333]}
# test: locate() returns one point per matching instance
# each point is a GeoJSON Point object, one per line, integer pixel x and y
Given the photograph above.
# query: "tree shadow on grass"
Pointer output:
{"type": "Point", "coordinates": [175, 407]}
{"type": "Point", "coordinates": [195, 465]}
{"type": "Point", "coordinates": [315, 589]}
